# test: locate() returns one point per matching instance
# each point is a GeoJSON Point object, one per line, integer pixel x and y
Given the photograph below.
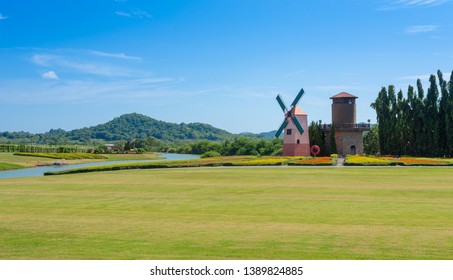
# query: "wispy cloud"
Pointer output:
{"type": "Point", "coordinates": [49, 75]}
{"type": "Point", "coordinates": [2, 17]}
{"type": "Point", "coordinates": [415, 77]}
{"type": "Point", "coordinates": [82, 63]}
{"type": "Point", "coordinates": [134, 13]}
{"type": "Point", "coordinates": [86, 91]}
{"type": "Point", "coordinates": [402, 4]}
{"type": "Point", "coordinates": [116, 55]}
{"type": "Point", "coordinates": [412, 3]}
{"type": "Point", "coordinates": [420, 29]}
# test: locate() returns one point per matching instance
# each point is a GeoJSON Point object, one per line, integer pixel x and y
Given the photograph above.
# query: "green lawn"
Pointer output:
{"type": "Point", "coordinates": [230, 213]}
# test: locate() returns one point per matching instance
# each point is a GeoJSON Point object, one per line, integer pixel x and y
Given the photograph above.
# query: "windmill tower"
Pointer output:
{"type": "Point", "coordinates": [295, 126]}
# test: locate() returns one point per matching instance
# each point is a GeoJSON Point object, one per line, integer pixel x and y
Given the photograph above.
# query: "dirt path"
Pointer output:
{"type": "Point", "coordinates": [340, 162]}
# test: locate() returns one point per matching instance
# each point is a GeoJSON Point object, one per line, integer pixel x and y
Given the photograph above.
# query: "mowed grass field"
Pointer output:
{"type": "Point", "coordinates": [230, 213]}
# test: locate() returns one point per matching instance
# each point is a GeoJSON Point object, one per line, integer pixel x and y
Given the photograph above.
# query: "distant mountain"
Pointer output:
{"type": "Point", "coordinates": [137, 126]}
{"type": "Point", "coordinates": [270, 134]}
{"type": "Point", "coordinates": [126, 127]}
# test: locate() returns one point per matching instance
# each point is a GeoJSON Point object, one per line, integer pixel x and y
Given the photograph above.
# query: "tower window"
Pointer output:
{"type": "Point", "coordinates": [298, 141]}
{"type": "Point", "coordinates": [289, 131]}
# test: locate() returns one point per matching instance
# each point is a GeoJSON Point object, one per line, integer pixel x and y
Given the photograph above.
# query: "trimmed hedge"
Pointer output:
{"type": "Point", "coordinates": [63, 155]}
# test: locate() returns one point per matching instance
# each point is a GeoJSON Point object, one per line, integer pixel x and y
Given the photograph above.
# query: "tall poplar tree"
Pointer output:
{"type": "Point", "coordinates": [443, 118]}
{"type": "Point", "coordinates": [410, 119]}
{"type": "Point", "coordinates": [419, 111]}
{"type": "Point", "coordinates": [432, 117]}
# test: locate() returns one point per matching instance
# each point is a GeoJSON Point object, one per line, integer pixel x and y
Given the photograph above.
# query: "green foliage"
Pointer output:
{"type": "Point", "coordinates": [333, 143]}
{"type": "Point", "coordinates": [63, 155]}
{"type": "Point", "coordinates": [371, 141]}
{"type": "Point", "coordinates": [209, 154]}
{"type": "Point", "coordinates": [318, 137]}
{"type": "Point", "coordinates": [238, 146]}
{"type": "Point", "coordinates": [33, 148]}
{"type": "Point", "coordinates": [418, 125]}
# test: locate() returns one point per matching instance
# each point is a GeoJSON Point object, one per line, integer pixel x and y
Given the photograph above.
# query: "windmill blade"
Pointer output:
{"type": "Point", "coordinates": [297, 123]}
{"type": "Point", "coordinates": [280, 130]}
{"type": "Point", "coordinates": [298, 97]}
{"type": "Point", "coordinates": [282, 104]}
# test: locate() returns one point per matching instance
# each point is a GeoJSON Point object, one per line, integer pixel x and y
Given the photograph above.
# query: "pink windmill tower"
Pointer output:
{"type": "Point", "coordinates": [295, 126]}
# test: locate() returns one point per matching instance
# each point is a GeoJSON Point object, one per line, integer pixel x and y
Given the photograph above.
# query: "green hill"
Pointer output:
{"type": "Point", "coordinates": [126, 127]}
{"type": "Point", "coordinates": [137, 126]}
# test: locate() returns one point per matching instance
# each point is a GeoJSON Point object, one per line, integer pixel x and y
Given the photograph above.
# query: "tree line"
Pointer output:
{"type": "Point", "coordinates": [416, 124]}
{"type": "Point", "coordinates": [325, 141]}
{"type": "Point", "coordinates": [238, 146]}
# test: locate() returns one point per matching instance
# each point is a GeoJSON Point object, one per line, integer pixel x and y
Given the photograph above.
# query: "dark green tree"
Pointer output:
{"type": "Point", "coordinates": [333, 143]}
{"type": "Point", "coordinates": [432, 118]}
{"type": "Point", "coordinates": [371, 141]}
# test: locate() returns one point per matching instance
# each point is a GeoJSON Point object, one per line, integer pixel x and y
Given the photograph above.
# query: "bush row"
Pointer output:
{"type": "Point", "coordinates": [64, 155]}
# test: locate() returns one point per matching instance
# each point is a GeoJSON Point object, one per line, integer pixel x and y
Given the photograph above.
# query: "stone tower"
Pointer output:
{"type": "Point", "coordinates": [348, 134]}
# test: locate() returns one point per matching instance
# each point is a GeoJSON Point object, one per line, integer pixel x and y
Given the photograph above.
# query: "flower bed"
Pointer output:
{"type": "Point", "coordinates": [317, 161]}
{"type": "Point", "coordinates": [389, 160]}
{"type": "Point", "coordinates": [265, 161]}
{"type": "Point", "coordinates": [358, 160]}
{"type": "Point", "coordinates": [421, 161]}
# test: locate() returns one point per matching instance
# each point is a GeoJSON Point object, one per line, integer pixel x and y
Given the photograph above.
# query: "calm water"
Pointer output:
{"type": "Point", "coordinates": [39, 171]}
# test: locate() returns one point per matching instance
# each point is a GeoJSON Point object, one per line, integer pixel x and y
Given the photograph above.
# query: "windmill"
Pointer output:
{"type": "Point", "coordinates": [295, 140]}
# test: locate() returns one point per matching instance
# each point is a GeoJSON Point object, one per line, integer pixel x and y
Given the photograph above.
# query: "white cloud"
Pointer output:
{"type": "Point", "coordinates": [82, 64]}
{"type": "Point", "coordinates": [421, 29]}
{"type": "Point", "coordinates": [123, 14]}
{"type": "Point", "coordinates": [415, 77]}
{"type": "Point", "coordinates": [116, 55]}
{"type": "Point", "coordinates": [49, 75]}
{"type": "Point", "coordinates": [2, 17]}
{"type": "Point", "coordinates": [88, 91]}
{"type": "Point", "coordinates": [135, 13]}
{"type": "Point", "coordinates": [401, 4]}
{"type": "Point", "coordinates": [412, 3]}
{"type": "Point", "coordinates": [44, 59]}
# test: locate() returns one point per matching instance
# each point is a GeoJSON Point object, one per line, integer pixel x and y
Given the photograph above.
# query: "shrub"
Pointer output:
{"type": "Point", "coordinates": [210, 154]}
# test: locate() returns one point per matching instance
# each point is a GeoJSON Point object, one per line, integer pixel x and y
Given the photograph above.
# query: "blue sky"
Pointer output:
{"type": "Point", "coordinates": [72, 64]}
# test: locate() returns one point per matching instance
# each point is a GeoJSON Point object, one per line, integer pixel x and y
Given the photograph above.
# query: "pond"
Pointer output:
{"type": "Point", "coordinates": [39, 171]}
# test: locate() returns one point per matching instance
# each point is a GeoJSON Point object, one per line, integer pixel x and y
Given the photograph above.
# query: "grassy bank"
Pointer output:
{"type": "Point", "coordinates": [207, 162]}
{"type": "Point", "coordinates": [9, 166]}
{"type": "Point", "coordinates": [247, 213]}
